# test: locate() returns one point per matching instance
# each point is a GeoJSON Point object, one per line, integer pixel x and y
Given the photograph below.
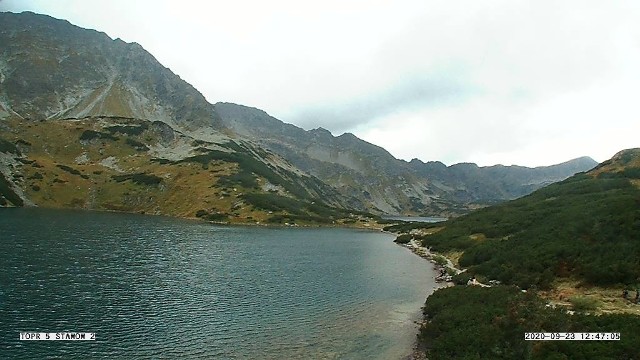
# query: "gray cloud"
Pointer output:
{"type": "Point", "coordinates": [510, 81]}
{"type": "Point", "coordinates": [412, 94]}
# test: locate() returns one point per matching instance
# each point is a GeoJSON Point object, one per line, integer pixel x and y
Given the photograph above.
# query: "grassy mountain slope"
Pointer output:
{"type": "Point", "coordinates": [139, 166]}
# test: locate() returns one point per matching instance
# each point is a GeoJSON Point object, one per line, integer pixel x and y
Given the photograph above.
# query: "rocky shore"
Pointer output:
{"type": "Point", "coordinates": [445, 266]}
{"type": "Point", "coordinates": [445, 269]}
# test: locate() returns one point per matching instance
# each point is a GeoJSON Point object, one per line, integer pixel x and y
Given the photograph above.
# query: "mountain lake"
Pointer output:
{"type": "Point", "coordinates": [158, 287]}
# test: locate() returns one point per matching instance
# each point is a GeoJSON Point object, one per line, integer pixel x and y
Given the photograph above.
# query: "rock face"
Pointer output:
{"type": "Point", "coordinates": [50, 69]}
{"type": "Point", "coordinates": [54, 72]}
{"type": "Point", "coordinates": [383, 182]}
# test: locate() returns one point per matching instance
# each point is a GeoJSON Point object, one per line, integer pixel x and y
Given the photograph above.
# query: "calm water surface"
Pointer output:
{"type": "Point", "coordinates": [426, 219]}
{"type": "Point", "coordinates": [154, 287]}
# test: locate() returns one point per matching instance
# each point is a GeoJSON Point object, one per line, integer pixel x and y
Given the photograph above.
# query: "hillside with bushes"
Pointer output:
{"type": "Point", "coordinates": [586, 227]}
{"type": "Point", "coordinates": [566, 258]}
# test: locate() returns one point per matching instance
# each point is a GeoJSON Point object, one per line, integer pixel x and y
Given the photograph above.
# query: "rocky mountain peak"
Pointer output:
{"type": "Point", "coordinates": [54, 70]}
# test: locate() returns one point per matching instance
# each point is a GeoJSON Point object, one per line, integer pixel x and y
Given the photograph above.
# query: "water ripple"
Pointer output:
{"type": "Point", "coordinates": [153, 287]}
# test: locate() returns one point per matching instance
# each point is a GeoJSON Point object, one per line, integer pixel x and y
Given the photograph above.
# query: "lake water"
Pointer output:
{"type": "Point", "coordinates": [426, 219]}
{"type": "Point", "coordinates": [155, 287]}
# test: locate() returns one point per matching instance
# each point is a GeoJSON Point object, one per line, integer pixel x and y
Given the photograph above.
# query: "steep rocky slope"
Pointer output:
{"type": "Point", "coordinates": [378, 179]}
{"type": "Point", "coordinates": [50, 69]}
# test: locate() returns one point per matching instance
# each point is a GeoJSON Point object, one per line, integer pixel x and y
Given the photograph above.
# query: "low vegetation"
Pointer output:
{"type": "Point", "coordinates": [584, 304]}
{"type": "Point", "coordinates": [574, 245]}
{"type": "Point", "coordinates": [89, 135]}
{"type": "Point", "coordinates": [138, 178]}
{"type": "Point", "coordinates": [212, 216]}
{"type": "Point", "coordinates": [407, 226]}
{"type": "Point", "coordinates": [403, 239]}
{"type": "Point", "coordinates": [249, 168]}
{"type": "Point", "coordinates": [8, 147]}
{"type": "Point", "coordinates": [293, 209]}
{"type": "Point", "coordinates": [133, 130]}
{"type": "Point", "coordinates": [136, 145]}
{"type": "Point", "coordinates": [471, 322]}
{"type": "Point", "coordinates": [70, 170]}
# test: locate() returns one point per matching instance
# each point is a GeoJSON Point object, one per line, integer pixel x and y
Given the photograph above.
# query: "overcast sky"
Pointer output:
{"type": "Point", "coordinates": [511, 82]}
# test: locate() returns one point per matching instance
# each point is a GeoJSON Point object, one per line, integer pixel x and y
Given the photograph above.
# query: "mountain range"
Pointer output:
{"type": "Point", "coordinates": [373, 175]}
{"type": "Point", "coordinates": [91, 122]}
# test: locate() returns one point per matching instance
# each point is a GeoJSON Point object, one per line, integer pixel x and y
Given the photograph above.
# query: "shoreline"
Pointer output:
{"type": "Point", "coordinates": [373, 226]}
{"type": "Point", "coordinates": [417, 351]}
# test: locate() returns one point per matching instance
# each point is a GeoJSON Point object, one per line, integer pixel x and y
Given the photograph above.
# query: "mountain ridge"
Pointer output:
{"type": "Point", "coordinates": [57, 70]}
{"type": "Point", "coordinates": [355, 166]}
{"type": "Point", "coordinates": [51, 70]}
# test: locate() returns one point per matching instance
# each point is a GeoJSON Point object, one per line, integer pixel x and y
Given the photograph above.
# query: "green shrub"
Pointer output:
{"type": "Point", "coordinates": [8, 147]}
{"type": "Point", "coordinates": [128, 129]}
{"type": "Point", "coordinates": [201, 213]}
{"type": "Point", "coordinates": [136, 145]}
{"type": "Point", "coordinates": [248, 165]}
{"type": "Point", "coordinates": [139, 178]}
{"type": "Point", "coordinates": [584, 304]}
{"type": "Point", "coordinates": [403, 239]}
{"type": "Point", "coordinates": [242, 178]}
{"type": "Point", "coordinates": [440, 260]}
{"type": "Point", "coordinates": [216, 217]}
{"type": "Point", "coordinates": [69, 169]}
{"type": "Point", "coordinates": [89, 135]}
{"type": "Point", "coordinates": [472, 322]}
